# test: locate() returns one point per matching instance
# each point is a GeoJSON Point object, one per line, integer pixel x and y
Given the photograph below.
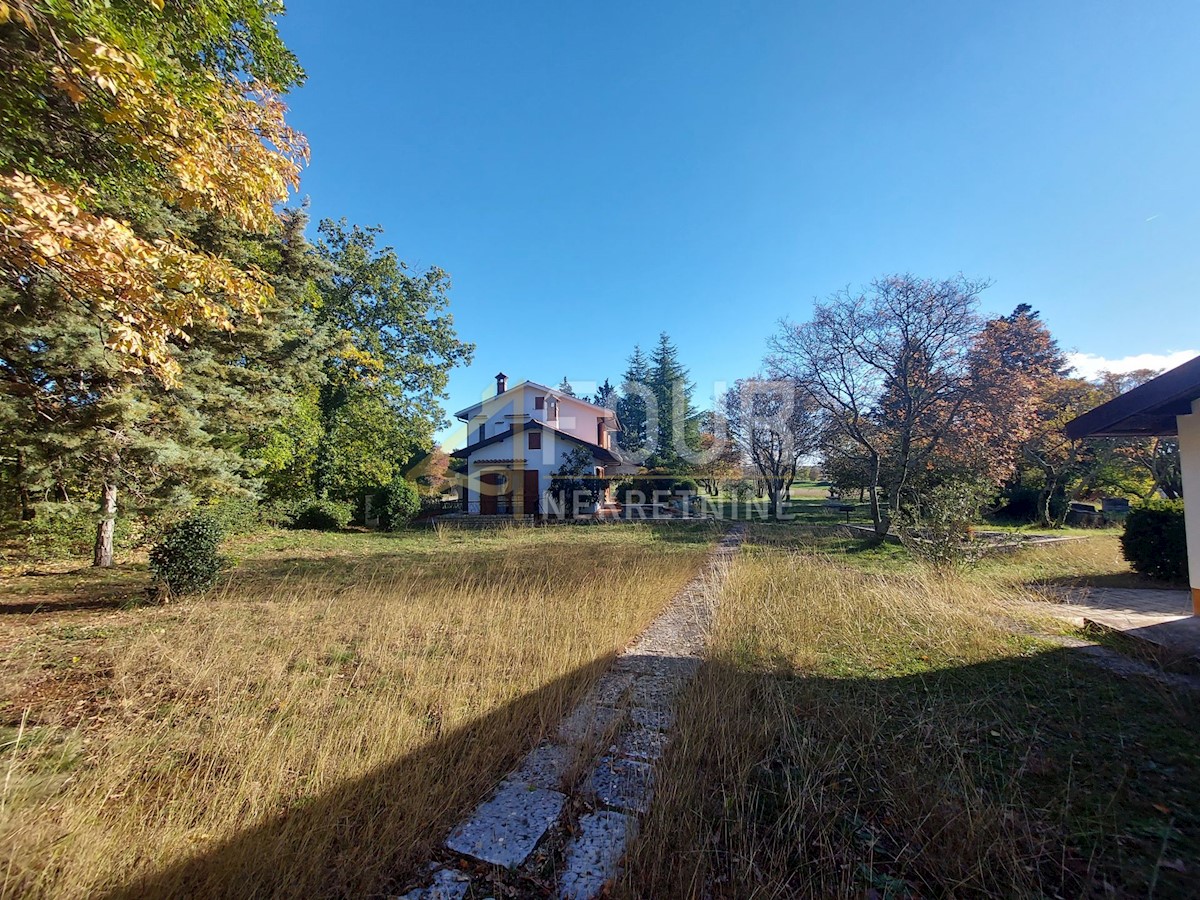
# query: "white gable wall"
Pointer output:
{"type": "Point", "coordinates": [498, 414]}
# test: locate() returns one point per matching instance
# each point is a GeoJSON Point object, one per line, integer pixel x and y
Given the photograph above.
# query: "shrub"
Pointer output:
{"type": "Point", "coordinates": [744, 490]}
{"type": "Point", "coordinates": [283, 513]}
{"type": "Point", "coordinates": [940, 529]}
{"type": "Point", "coordinates": [236, 515]}
{"type": "Point", "coordinates": [186, 560]}
{"type": "Point", "coordinates": [1154, 541]}
{"type": "Point", "coordinates": [68, 531]}
{"type": "Point", "coordinates": [323, 515]}
{"type": "Point", "coordinates": [399, 503]}
{"type": "Point", "coordinates": [650, 485]}
{"type": "Point", "coordinates": [59, 531]}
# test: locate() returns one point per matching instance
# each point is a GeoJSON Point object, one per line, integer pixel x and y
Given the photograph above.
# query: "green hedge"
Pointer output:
{"type": "Point", "coordinates": [1154, 541]}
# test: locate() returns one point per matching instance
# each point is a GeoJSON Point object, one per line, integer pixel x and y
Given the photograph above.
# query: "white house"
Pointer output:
{"type": "Point", "coordinates": [517, 439]}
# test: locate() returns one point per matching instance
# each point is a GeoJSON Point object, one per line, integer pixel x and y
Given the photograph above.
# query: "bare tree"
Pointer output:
{"type": "Point", "coordinates": [719, 459]}
{"type": "Point", "coordinates": [771, 422]}
{"type": "Point", "coordinates": [888, 369]}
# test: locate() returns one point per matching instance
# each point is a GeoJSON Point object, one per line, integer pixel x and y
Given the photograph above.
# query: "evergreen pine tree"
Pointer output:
{"type": "Point", "coordinates": [564, 387]}
{"type": "Point", "coordinates": [678, 422]}
{"type": "Point", "coordinates": [631, 404]}
{"type": "Point", "coordinates": [81, 425]}
{"type": "Point", "coordinates": [606, 396]}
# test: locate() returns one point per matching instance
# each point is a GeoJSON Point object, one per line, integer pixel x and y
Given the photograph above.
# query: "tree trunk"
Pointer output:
{"type": "Point", "coordinates": [773, 495]}
{"type": "Point", "coordinates": [103, 556]}
{"type": "Point", "coordinates": [1044, 500]}
{"type": "Point", "coordinates": [27, 511]}
{"type": "Point", "coordinates": [882, 522]}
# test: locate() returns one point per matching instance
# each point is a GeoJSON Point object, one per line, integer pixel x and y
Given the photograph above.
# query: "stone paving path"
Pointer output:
{"type": "Point", "coordinates": [1160, 618]}
{"type": "Point", "coordinates": [559, 825]}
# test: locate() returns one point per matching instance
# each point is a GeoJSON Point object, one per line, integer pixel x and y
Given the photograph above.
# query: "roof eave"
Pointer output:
{"type": "Point", "coordinates": [1148, 410]}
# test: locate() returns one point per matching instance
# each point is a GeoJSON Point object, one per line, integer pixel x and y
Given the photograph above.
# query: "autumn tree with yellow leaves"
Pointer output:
{"type": "Point", "coordinates": [100, 123]}
{"type": "Point", "coordinates": [166, 329]}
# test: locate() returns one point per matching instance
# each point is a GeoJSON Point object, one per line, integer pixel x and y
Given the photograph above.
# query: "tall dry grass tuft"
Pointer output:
{"type": "Point", "coordinates": [315, 726]}
{"type": "Point", "coordinates": [859, 731]}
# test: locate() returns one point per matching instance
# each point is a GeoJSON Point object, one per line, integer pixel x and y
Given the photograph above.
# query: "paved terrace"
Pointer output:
{"type": "Point", "coordinates": [1161, 617]}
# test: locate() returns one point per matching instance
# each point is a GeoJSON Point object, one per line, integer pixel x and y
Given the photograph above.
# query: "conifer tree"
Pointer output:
{"type": "Point", "coordinates": [82, 424]}
{"type": "Point", "coordinates": [631, 405]}
{"type": "Point", "coordinates": [678, 422]}
{"type": "Point", "coordinates": [606, 395]}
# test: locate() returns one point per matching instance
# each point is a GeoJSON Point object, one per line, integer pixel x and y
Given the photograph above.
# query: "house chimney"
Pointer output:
{"type": "Point", "coordinates": [501, 383]}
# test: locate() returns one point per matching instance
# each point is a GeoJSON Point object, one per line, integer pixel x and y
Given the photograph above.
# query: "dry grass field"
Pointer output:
{"type": "Point", "coordinates": [865, 728]}
{"type": "Point", "coordinates": [317, 723]}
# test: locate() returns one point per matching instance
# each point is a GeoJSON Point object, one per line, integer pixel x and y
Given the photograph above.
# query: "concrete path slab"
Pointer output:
{"type": "Point", "coordinates": [621, 783]}
{"type": "Point", "coordinates": [593, 857]}
{"type": "Point", "coordinates": [545, 766]}
{"type": "Point", "coordinates": [447, 884]}
{"type": "Point", "coordinates": [642, 743]}
{"type": "Point", "coordinates": [506, 827]}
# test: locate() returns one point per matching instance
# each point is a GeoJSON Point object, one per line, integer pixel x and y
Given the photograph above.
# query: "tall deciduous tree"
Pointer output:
{"type": "Point", "coordinates": [121, 123]}
{"type": "Point", "coordinates": [770, 420]}
{"type": "Point", "coordinates": [889, 369]}
{"type": "Point", "coordinates": [1068, 467]}
{"type": "Point", "coordinates": [720, 460]}
{"type": "Point", "coordinates": [395, 343]}
{"type": "Point", "coordinates": [112, 109]}
{"type": "Point", "coordinates": [1011, 363]}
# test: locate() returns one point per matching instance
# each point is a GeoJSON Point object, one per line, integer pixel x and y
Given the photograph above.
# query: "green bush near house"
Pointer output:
{"type": "Point", "coordinates": [186, 560]}
{"type": "Point", "coordinates": [1154, 541]}
{"type": "Point", "coordinates": [323, 515]}
{"type": "Point", "coordinates": [648, 486]}
{"type": "Point", "coordinates": [399, 504]}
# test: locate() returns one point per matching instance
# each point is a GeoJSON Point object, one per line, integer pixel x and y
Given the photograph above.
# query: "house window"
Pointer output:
{"type": "Point", "coordinates": [535, 440]}
{"type": "Point", "coordinates": [539, 402]}
{"type": "Point", "coordinates": [482, 431]}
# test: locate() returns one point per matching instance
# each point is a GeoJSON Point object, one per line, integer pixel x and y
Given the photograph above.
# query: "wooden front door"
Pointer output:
{"type": "Point", "coordinates": [489, 487]}
{"type": "Point", "coordinates": [529, 492]}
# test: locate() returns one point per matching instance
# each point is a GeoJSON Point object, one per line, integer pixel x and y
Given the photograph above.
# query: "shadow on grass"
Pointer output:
{"type": "Point", "coordinates": [131, 589]}
{"type": "Point", "coordinates": [121, 600]}
{"type": "Point", "coordinates": [1018, 777]}
{"type": "Point", "coordinates": [1037, 775]}
{"type": "Point", "coordinates": [371, 835]}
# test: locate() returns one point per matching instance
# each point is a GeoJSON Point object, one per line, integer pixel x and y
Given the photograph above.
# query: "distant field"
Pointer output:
{"type": "Point", "coordinates": [863, 727]}
{"type": "Point", "coordinates": [314, 726]}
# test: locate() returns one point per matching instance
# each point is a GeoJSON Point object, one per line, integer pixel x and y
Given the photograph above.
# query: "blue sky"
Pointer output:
{"type": "Point", "coordinates": [591, 174]}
